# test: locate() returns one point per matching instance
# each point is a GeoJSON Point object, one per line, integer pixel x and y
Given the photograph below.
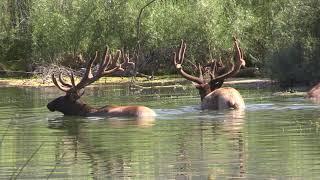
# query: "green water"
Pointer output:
{"type": "Point", "coordinates": [274, 138]}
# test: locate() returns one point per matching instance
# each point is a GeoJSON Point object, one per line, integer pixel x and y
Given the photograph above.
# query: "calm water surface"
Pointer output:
{"type": "Point", "coordinates": [274, 138]}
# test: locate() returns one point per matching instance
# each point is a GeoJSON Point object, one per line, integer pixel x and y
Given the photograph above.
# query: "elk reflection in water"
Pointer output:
{"type": "Point", "coordinates": [111, 149]}
{"type": "Point", "coordinates": [194, 159]}
{"type": "Point", "coordinates": [106, 155]}
{"type": "Point", "coordinates": [231, 124]}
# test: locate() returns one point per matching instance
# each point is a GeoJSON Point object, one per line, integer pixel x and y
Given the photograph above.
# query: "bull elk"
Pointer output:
{"type": "Point", "coordinates": [212, 95]}
{"type": "Point", "coordinates": [70, 104]}
{"type": "Point", "coordinates": [314, 93]}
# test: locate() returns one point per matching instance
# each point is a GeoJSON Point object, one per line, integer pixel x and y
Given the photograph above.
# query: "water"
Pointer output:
{"type": "Point", "coordinates": [274, 138]}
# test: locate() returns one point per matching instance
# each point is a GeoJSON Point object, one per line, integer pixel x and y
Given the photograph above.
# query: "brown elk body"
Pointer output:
{"type": "Point", "coordinates": [212, 94]}
{"type": "Point", "coordinates": [71, 105]}
{"type": "Point", "coordinates": [314, 93]}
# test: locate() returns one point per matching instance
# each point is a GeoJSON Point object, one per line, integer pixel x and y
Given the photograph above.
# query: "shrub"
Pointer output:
{"type": "Point", "coordinates": [296, 64]}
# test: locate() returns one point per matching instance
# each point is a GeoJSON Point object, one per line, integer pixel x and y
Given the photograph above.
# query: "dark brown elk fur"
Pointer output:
{"type": "Point", "coordinates": [71, 105]}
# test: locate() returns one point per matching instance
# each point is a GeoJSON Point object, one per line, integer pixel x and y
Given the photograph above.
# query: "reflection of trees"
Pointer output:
{"type": "Point", "coordinates": [105, 157]}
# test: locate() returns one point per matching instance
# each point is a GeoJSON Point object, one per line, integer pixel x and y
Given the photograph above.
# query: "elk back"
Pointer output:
{"type": "Point", "coordinates": [223, 98]}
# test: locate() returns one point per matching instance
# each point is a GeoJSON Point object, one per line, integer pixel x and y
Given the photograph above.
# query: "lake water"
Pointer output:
{"type": "Point", "coordinates": [274, 138]}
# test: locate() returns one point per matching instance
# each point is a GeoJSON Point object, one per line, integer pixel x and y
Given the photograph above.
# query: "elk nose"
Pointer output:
{"type": "Point", "coordinates": [50, 107]}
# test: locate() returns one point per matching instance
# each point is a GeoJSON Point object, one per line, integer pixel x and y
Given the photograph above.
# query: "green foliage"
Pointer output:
{"type": "Point", "coordinates": [293, 53]}
{"type": "Point", "coordinates": [51, 30]}
{"type": "Point", "coordinates": [297, 64]}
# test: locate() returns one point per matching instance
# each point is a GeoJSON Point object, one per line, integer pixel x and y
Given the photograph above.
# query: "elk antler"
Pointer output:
{"type": "Point", "coordinates": [178, 64]}
{"type": "Point", "coordinates": [216, 81]}
{"type": "Point", "coordinates": [126, 60]}
{"type": "Point", "coordinates": [107, 66]}
{"type": "Point", "coordinates": [239, 61]}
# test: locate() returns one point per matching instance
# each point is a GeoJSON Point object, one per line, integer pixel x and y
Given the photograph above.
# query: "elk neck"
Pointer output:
{"type": "Point", "coordinates": [204, 90]}
{"type": "Point", "coordinates": [85, 109]}
{"type": "Point", "coordinates": [79, 108]}
{"type": "Point", "coordinates": [68, 106]}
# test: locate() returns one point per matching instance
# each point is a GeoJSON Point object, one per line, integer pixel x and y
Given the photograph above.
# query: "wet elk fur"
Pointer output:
{"type": "Point", "coordinates": [314, 93]}
{"type": "Point", "coordinates": [212, 94]}
{"type": "Point", "coordinates": [70, 104]}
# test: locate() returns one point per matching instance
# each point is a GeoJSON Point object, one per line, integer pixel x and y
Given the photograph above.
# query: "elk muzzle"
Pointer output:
{"type": "Point", "coordinates": [56, 103]}
{"type": "Point", "coordinates": [50, 107]}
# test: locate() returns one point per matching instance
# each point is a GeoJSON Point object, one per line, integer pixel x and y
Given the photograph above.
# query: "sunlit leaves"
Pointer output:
{"type": "Point", "coordinates": [73, 26]}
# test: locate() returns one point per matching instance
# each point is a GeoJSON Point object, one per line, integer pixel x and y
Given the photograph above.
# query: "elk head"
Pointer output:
{"type": "Point", "coordinates": [70, 104]}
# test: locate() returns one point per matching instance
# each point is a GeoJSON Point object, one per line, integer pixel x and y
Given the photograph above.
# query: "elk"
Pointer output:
{"type": "Point", "coordinates": [213, 95]}
{"type": "Point", "coordinates": [71, 105]}
{"type": "Point", "coordinates": [314, 93]}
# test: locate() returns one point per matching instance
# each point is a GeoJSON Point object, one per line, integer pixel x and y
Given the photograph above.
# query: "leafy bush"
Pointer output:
{"type": "Point", "coordinates": [49, 30]}
{"type": "Point", "coordinates": [298, 64]}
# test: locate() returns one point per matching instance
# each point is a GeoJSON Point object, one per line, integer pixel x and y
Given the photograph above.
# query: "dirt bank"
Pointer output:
{"type": "Point", "coordinates": [32, 82]}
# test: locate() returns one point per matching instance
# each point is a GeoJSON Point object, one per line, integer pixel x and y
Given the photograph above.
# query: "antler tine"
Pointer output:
{"type": "Point", "coordinates": [106, 60]}
{"type": "Point", "coordinates": [88, 73]}
{"type": "Point", "coordinates": [114, 63]}
{"type": "Point", "coordinates": [213, 68]}
{"type": "Point", "coordinates": [239, 53]}
{"type": "Point", "coordinates": [112, 60]}
{"type": "Point", "coordinates": [235, 66]}
{"type": "Point", "coordinates": [104, 63]}
{"type": "Point", "coordinates": [119, 53]}
{"type": "Point", "coordinates": [55, 82]}
{"type": "Point", "coordinates": [178, 65]}
{"type": "Point", "coordinates": [63, 82]}
{"type": "Point", "coordinates": [200, 71]}
{"type": "Point", "coordinates": [72, 79]}
{"type": "Point", "coordinates": [182, 51]}
{"type": "Point", "coordinates": [127, 60]}
{"type": "Point", "coordinates": [125, 56]}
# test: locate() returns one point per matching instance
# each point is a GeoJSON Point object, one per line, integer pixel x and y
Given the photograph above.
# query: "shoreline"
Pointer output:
{"type": "Point", "coordinates": [159, 80]}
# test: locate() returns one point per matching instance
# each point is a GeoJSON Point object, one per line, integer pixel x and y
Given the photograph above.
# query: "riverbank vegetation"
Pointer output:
{"type": "Point", "coordinates": [280, 37]}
